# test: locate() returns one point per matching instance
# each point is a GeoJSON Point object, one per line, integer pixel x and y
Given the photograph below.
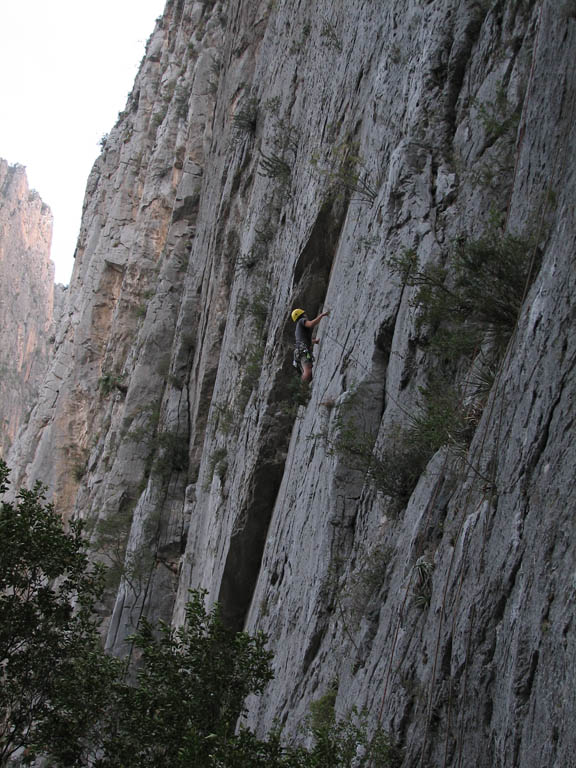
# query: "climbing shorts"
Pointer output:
{"type": "Point", "coordinates": [302, 355]}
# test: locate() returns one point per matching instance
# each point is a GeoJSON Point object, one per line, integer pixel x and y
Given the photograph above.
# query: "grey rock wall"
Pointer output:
{"type": "Point", "coordinates": [286, 154]}
{"type": "Point", "coordinates": [26, 298]}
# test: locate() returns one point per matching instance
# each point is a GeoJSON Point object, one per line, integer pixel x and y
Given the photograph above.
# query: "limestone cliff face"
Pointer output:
{"type": "Point", "coordinates": [26, 298]}
{"type": "Point", "coordinates": [407, 531]}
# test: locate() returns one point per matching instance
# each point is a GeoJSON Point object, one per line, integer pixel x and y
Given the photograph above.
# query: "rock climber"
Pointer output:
{"type": "Point", "coordinates": [303, 357]}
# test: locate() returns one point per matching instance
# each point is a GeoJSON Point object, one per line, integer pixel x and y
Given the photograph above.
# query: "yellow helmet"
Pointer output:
{"type": "Point", "coordinates": [297, 313]}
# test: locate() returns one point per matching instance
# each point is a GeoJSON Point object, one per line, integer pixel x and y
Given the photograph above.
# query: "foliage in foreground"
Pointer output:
{"type": "Point", "coordinates": [54, 674]}
{"type": "Point", "coordinates": [190, 690]}
{"type": "Point", "coordinates": [63, 698]}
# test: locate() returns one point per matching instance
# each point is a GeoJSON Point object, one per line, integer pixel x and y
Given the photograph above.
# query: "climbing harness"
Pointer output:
{"type": "Point", "coordinates": [301, 353]}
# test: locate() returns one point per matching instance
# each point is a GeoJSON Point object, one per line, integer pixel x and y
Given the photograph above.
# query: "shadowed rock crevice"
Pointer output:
{"type": "Point", "coordinates": [247, 545]}
{"type": "Point", "coordinates": [381, 356]}
{"type": "Point", "coordinates": [466, 32]}
{"type": "Point", "coordinates": [312, 270]}
{"type": "Point", "coordinates": [188, 210]}
{"type": "Point", "coordinates": [313, 647]}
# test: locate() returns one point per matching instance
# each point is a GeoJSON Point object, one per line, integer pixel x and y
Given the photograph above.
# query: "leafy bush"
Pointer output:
{"type": "Point", "coordinates": [274, 166]}
{"type": "Point", "coordinates": [264, 234]}
{"type": "Point", "coordinates": [367, 580]}
{"type": "Point", "coordinates": [172, 453]}
{"type": "Point", "coordinates": [478, 294]}
{"type": "Point", "coordinates": [322, 715]}
{"type": "Point", "coordinates": [54, 675]}
{"type": "Point", "coordinates": [440, 421]}
{"type": "Point", "coordinates": [330, 36]}
{"type": "Point", "coordinates": [109, 381]}
{"type": "Point", "coordinates": [395, 467]}
{"type": "Point", "coordinates": [246, 118]}
{"type": "Point", "coordinates": [496, 116]}
{"type": "Point", "coordinates": [344, 742]}
{"type": "Point", "coordinates": [347, 173]}
{"type": "Point", "coordinates": [226, 418]}
{"type": "Point", "coordinates": [109, 541]}
{"type": "Point", "coordinates": [470, 305]}
{"type": "Point", "coordinates": [217, 465]}
{"type": "Point", "coordinates": [190, 690]}
{"type": "Point", "coordinates": [422, 591]}
{"type": "Point", "coordinates": [256, 308]}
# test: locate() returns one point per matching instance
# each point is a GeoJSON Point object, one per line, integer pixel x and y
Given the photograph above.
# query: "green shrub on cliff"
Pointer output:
{"type": "Point", "coordinates": [477, 295]}
{"type": "Point", "coordinates": [394, 466]}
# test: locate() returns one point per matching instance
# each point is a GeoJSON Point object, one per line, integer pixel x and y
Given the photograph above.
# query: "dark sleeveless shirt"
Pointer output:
{"type": "Point", "coordinates": [303, 334]}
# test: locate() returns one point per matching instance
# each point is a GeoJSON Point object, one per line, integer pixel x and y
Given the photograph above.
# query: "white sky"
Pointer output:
{"type": "Point", "coordinates": [66, 69]}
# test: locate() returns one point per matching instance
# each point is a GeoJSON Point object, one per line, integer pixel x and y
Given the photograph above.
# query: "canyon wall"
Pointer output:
{"type": "Point", "coordinates": [26, 298]}
{"type": "Point", "coordinates": [402, 529]}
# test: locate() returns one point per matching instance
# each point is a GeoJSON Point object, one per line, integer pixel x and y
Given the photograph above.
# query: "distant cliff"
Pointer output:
{"type": "Point", "coordinates": [26, 298]}
{"type": "Point", "coordinates": [404, 530]}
